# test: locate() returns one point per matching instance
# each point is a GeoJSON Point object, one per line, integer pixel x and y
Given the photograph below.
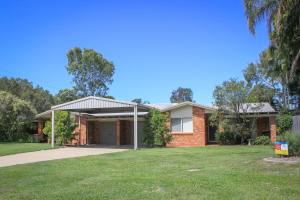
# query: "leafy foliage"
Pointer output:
{"type": "Point", "coordinates": [283, 20]}
{"type": "Point", "coordinates": [231, 95]}
{"type": "Point", "coordinates": [15, 117]}
{"type": "Point", "coordinates": [231, 98]}
{"type": "Point", "coordinates": [284, 122]}
{"type": "Point", "coordinates": [64, 127]}
{"type": "Point", "coordinates": [140, 101]}
{"type": "Point", "coordinates": [263, 79]}
{"type": "Point", "coordinates": [228, 136]}
{"type": "Point", "coordinates": [156, 131]}
{"type": "Point", "coordinates": [271, 78]}
{"type": "Point", "coordinates": [294, 144]}
{"type": "Point", "coordinates": [262, 140]}
{"type": "Point", "coordinates": [109, 97]}
{"type": "Point", "coordinates": [293, 140]}
{"type": "Point", "coordinates": [40, 99]}
{"type": "Point", "coordinates": [181, 95]}
{"type": "Point", "coordinates": [66, 95]}
{"type": "Point", "coordinates": [92, 73]}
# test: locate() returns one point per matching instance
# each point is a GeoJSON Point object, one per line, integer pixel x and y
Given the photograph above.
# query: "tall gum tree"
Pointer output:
{"type": "Point", "coordinates": [92, 73]}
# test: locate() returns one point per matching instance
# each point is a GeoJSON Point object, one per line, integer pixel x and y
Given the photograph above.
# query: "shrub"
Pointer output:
{"type": "Point", "coordinates": [284, 123]}
{"type": "Point", "coordinates": [293, 142]}
{"type": "Point", "coordinates": [281, 138]}
{"type": "Point", "coordinates": [64, 127]}
{"type": "Point", "coordinates": [15, 117]}
{"type": "Point", "coordinates": [262, 140]}
{"type": "Point", "coordinates": [228, 137]}
{"type": "Point", "coordinates": [155, 131]}
{"type": "Point", "coordinates": [27, 139]}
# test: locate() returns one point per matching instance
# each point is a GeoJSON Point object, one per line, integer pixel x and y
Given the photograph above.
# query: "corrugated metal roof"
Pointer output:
{"type": "Point", "coordinates": [93, 102]}
{"type": "Point", "coordinates": [247, 108]}
{"type": "Point", "coordinates": [44, 115]}
{"type": "Point", "coordinates": [161, 106]}
{"type": "Point", "coordinates": [170, 106]}
{"type": "Point", "coordinates": [257, 108]}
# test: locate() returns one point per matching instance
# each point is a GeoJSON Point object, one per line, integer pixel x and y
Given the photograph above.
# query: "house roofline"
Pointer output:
{"type": "Point", "coordinates": [188, 103]}
{"type": "Point", "coordinates": [93, 97]}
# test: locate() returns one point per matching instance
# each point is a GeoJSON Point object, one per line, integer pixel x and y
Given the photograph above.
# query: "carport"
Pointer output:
{"type": "Point", "coordinates": [96, 108]}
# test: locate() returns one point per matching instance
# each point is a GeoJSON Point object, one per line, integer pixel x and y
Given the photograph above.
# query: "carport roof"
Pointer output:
{"type": "Point", "coordinates": [92, 102]}
{"type": "Point", "coordinates": [94, 105]}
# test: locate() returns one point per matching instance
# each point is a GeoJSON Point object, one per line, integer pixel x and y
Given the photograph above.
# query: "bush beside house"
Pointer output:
{"type": "Point", "coordinates": [293, 140]}
{"type": "Point", "coordinates": [284, 126]}
{"type": "Point", "coordinates": [156, 132]}
{"type": "Point", "coordinates": [284, 123]}
{"type": "Point", "coordinates": [262, 140]}
{"type": "Point", "coordinates": [64, 127]}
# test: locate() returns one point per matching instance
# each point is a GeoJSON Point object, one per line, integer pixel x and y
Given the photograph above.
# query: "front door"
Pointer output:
{"type": "Point", "coordinates": [212, 131]}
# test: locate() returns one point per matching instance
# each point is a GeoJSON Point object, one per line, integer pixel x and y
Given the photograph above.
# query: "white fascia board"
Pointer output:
{"type": "Point", "coordinates": [117, 114]}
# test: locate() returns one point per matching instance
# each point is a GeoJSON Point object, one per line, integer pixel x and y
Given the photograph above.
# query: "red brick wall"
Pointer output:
{"type": "Point", "coordinates": [40, 127]}
{"type": "Point", "coordinates": [262, 125]}
{"type": "Point", "coordinates": [83, 130]}
{"type": "Point", "coordinates": [80, 135]}
{"type": "Point", "coordinates": [273, 128]}
{"type": "Point", "coordinates": [197, 138]}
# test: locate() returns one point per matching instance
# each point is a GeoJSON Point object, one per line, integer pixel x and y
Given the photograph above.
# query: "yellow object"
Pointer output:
{"type": "Point", "coordinates": [282, 152]}
{"type": "Point", "coordinates": [281, 148]}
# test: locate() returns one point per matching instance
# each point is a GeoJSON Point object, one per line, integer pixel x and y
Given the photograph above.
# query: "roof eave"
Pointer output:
{"type": "Point", "coordinates": [187, 103]}
{"type": "Point", "coordinates": [93, 97]}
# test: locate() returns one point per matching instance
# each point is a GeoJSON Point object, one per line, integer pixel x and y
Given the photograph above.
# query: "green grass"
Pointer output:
{"type": "Point", "coordinates": [227, 172]}
{"type": "Point", "coordinates": [13, 148]}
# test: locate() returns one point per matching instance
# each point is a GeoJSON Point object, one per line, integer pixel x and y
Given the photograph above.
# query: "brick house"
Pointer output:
{"type": "Point", "coordinates": [112, 122]}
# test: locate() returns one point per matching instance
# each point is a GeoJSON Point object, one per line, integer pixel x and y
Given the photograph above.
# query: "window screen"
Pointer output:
{"type": "Point", "coordinates": [187, 125]}
{"type": "Point", "coordinates": [182, 125]}
{"type": "Point", "coordinates": [176, 124]}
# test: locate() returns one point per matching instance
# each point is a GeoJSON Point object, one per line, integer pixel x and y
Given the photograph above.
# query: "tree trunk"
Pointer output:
{"type": "Point", "coordinates": [284, 96]}
{"type": "Point", "coordinates": [294, 66]}
{"type": "Point", "coordinates": [285, 89]}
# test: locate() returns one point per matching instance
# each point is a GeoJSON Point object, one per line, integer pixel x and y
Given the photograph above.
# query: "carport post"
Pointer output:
{"type": "Point", "coordinates": [135, 141]}
{"type": "Point", "coordinates": [52, 129]}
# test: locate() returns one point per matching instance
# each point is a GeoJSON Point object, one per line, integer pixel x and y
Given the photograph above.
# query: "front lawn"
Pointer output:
{"type": "Point", "coordinates": [13, 148]}
{"type": "Point", "coordinates": [226, 172]}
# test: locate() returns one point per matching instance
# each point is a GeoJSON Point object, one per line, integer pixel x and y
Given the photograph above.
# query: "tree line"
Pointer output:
{"type": "Point", "coordinates": [20, 101]}
{"type": "Point", "coordinates": [274, 78]}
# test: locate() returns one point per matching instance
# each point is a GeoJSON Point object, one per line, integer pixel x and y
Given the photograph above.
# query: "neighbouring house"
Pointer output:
{"type": "Point", "coordinates": [113, 122]}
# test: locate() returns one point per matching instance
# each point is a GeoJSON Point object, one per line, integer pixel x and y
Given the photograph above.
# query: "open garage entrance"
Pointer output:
{"type": "Point", "coordinates": [113, 131]}
{"type": "Point", "coordinates": [102, 121]}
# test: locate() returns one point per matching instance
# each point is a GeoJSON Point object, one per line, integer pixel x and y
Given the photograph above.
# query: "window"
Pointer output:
{"type": "Point", "coordinates": [187, 125]}
{"type": "Point", "coordinates": [176, 124]}
{"type": "Point", "coordinates": [182, 125]}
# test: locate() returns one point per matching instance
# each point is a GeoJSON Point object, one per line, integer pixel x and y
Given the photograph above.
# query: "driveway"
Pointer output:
{"type": "Point", "coordinates": [54, 154]}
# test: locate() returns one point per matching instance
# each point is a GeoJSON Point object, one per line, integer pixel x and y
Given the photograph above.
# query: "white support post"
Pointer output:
{"type": "Point", "coordinates": [79, 124]}
{"type": "Point", "coordinates": [53, 129]}
{"type": "Point", "coordinates": [135, 121]}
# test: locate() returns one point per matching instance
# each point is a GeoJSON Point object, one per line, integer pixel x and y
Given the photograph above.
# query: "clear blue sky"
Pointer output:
{"type": "Point", "coordinates": [156, 46]}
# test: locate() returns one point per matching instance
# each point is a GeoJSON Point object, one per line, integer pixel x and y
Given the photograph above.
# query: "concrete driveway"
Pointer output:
{"type": "Point", "coordinates": [54, 154]}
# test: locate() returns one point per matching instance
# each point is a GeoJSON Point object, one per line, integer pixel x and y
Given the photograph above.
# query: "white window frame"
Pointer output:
{"type": "Point", "coordinates": [181, 125]}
